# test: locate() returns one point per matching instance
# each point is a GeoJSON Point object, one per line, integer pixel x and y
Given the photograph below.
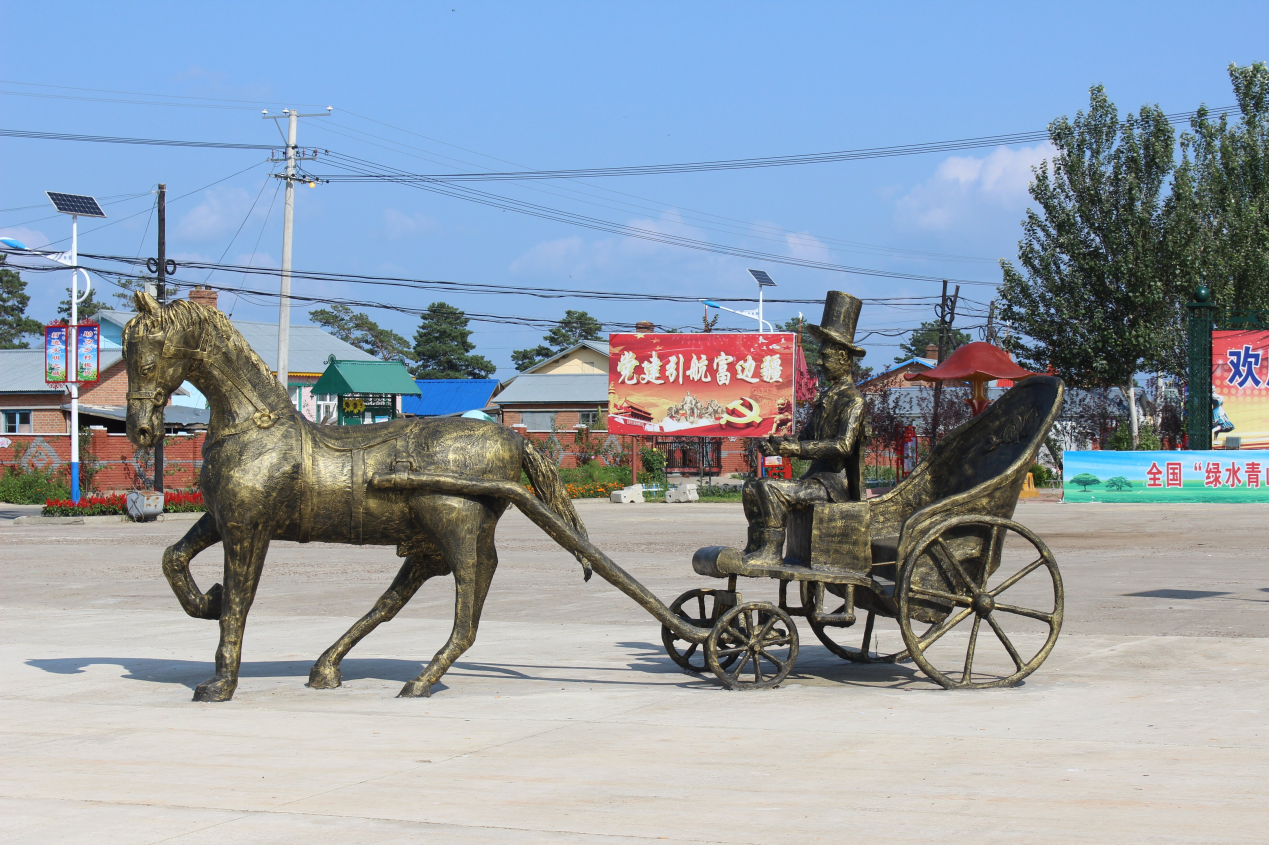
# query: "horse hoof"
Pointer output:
{"type": "Point", "coordinates": [216, 689]}
{"type": "Point", "coordinates": [416, 689]}
{"type": "Point", "coordinates": [324, 677]}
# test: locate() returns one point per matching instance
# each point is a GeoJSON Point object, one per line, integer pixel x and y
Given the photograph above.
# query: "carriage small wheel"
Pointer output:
{"type": "Point", "coordinates": [702, 609]}
{"type": "Point", "coordinates": [762, 641]}
{"type": "Point", "coordinates": [954, 577]}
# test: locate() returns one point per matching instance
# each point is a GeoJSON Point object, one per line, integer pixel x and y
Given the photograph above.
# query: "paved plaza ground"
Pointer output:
{"type": "Point", "coordinates": [567, 722]}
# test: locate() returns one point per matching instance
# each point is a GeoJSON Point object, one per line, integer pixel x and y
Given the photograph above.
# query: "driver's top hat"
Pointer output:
{"type": "Point", "coordinates": [841, 314]}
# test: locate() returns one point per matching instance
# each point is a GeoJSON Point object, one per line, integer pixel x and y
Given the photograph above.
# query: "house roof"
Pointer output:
{"type": "Point", "coordinates": [310, 345]}
{"type": "Point", "coordinates": [22, 370]}
{"type": "Point", "coordinates": [531, 389]}
{"type": "Point", "coordinates": [596, 345]}
{"type": "Point", "coordinates": [441, 396]}
{"type": "Point", "coordinates": [178, 416]}
{"type": "Point", "coordinates": [342, 377]}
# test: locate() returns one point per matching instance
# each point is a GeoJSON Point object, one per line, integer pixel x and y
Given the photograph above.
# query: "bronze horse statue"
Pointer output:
{"type": "Point", "coordinates": [435, 488]}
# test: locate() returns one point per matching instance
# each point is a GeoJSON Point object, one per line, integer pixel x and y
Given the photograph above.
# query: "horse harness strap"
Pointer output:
{"type": "Point", "coordinates": [262, 418]}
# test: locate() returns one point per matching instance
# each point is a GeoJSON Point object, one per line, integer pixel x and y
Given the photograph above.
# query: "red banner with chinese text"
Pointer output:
{"type": "Point", "coordinates": [701, 385]}
{"type": "Point", "coordinates": [1240, 387]}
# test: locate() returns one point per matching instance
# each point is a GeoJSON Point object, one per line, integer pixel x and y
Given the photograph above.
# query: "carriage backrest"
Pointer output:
{"type": "Point", "coordinates": [992, 450]}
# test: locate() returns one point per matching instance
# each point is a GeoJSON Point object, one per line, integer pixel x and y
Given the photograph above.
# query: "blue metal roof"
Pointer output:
{"type": "Point", "coordinates": [441, 396]}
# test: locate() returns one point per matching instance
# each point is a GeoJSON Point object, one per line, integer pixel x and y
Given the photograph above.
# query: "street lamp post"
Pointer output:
{"type": "Point", "coordinates": [764, 281]}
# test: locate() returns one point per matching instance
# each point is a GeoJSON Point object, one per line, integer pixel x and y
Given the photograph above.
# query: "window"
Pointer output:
{"type": "Point", "coordinates": [326, 403]}
{"type": "Point", "coordinates": [590, 419]}
{"type": "Point", "coordinates": [17, 422]}
{"type": "Point", "coordinates": [538, 420]}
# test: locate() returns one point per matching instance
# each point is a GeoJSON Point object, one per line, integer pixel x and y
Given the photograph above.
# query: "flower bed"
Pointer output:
{"type": "Point", "coordinates": [588, 490]}
{"type": "Point", "coordinates": [174, 502]}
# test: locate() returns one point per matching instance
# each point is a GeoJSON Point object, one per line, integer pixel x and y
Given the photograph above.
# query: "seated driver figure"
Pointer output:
{"type": "Point", "coordinates": [833, 440]}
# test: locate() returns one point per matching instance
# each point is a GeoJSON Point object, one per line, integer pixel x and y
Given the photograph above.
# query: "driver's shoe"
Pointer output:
{"type": "Point", "coordinates": [771, 550]}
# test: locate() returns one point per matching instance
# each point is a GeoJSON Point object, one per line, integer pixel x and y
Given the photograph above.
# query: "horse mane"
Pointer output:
{"type": "Point", "coordinates": [183, 314]}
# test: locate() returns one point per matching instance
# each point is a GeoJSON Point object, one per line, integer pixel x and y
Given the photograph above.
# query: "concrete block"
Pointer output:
{"type": "Point", "coordinates": [632, 495]}
{"type": "Point", "coordinates": [682, 493]}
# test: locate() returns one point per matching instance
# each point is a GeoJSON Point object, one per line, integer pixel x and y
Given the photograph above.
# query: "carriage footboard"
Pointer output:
{"type": "Point", "coordinates": [555, 527]}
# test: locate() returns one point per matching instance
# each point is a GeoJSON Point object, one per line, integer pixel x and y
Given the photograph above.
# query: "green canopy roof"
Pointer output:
{"type": "Point", "coordinates": [344, 377]}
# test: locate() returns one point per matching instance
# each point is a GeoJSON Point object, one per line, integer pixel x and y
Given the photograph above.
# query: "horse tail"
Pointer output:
{"type": "Point", "coordinates": [548, 487]}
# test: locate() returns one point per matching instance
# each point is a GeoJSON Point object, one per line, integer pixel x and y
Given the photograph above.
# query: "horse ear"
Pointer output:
{"type": "Point", "coordinates": [145, 303]}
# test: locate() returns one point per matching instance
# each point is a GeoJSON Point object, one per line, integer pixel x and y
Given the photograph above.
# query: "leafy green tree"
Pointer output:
{"type": "Point", "coordinates": [575, 327]}
{"type": "Point", "coordinates": [128, 288]}
{"type": "Point", "coordinates": [924, 335]}
{"type": "Point", "coordinates": [86, 310]}
{"type": "Point", "coordinates": [442, 348]}
{"type": "Point", "coordinates": [1219, 208]}
{"type": "Point", "coordinates": [1090, 299]}
{"type": "Point", "coordinates": [1086, 480]}
{"type": "Point", "coordinates": [357, 329]}
{"type": "Point", "coordinates": [1118, 483]}
{"type": "Point", "coordinates": [14, 323]}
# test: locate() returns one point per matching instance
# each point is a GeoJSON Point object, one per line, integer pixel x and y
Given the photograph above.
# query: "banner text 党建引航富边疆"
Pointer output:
{"type": "Point", "coordinates": [701, 385]}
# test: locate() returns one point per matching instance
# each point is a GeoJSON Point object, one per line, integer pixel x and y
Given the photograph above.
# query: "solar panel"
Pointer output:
{"type": "Point", "coordinates": [75, 204]}
{"type": "Point", "coordinates": [764, 280]}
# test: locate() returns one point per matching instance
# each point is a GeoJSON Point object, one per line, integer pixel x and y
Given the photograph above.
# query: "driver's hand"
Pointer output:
{"type": "Point", "coordinates": [769, 447]}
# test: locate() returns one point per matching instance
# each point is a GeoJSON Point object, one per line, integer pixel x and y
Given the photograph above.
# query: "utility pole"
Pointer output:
{"type": "Point", "coordinates": [293, 154]}
{"type": "Point", "coordinates": [160, 284]}
{"type": "Point", "coordinates": [946, 312]}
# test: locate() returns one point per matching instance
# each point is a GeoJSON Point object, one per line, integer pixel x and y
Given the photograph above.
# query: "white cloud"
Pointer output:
{"type": "Point", "coordinates": [30, 238]}
{"type": "Point", "coordinates": [398, 225]}
{"type": "Point", "coordinates": [217, 216]}
{"type": "Point", "coordinates": [963, 187]}
{"type": "Point", "coordinates": [807, 247]}
{"type": "Point", "coordinates": [578, 258]}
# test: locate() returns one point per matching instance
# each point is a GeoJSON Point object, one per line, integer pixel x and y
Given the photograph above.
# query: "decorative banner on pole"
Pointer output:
{"type": "Point", "coordinates": [87, 345]}
{"type": "Point", "coordinates": [1216, 476]}
{"type": "Point", "coordinates": [1240, 387]}
{"type": "Point", "coordinates": [701, 385]}
{"type": "Point", "coordinates": [55, 353]}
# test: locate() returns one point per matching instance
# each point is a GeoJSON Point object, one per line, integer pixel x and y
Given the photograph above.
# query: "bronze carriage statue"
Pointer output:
{"type": "Point", "coordinates": [923, 554]}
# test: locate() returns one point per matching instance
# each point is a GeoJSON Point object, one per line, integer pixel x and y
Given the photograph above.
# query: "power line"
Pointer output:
{"type": "Point", "coordinates": [110, 139]}
{"type": "Point", "coordinates": [751, 163]}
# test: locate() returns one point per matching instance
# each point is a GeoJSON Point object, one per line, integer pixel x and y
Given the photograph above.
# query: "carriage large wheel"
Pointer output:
{"type": "Point", "coordinates": [837, 639]}
{"type": "Point", "coordinates": [762, 641]}
{"type": "Point", "coordinates": [702, 609]}
{"type": "Point", "coordinates": [953, 577]}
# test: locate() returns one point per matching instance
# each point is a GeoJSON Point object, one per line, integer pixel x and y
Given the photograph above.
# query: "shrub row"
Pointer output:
{"type": "Point", "coordinates": [173, 502]}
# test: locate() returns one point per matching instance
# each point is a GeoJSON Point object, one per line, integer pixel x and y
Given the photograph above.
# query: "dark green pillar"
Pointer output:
{"type": "Point", "coordinates": [1198, 410]}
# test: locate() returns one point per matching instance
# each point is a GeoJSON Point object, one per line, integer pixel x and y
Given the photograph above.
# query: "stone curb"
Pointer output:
{"type": "Point", "coordinates": [101, 520]}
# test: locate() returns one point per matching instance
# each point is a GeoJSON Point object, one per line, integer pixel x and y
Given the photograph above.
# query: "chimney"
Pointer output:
{"type": "Point", "coordinates": [203, 296]}
{"type": "Point", "coordinates": [931, 349]}
{"type": "Point", "coordinates": [645, 327]}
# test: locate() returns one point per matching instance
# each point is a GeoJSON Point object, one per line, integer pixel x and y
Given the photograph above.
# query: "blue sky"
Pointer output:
{"type": "Point", "coordinates": [570, 85]}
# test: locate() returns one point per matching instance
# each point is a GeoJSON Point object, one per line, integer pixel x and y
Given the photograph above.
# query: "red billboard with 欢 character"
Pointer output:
{"type": "Point", "coordinates": [701, 385]}
{"type": "Point", "coordinates": [1240, 388]}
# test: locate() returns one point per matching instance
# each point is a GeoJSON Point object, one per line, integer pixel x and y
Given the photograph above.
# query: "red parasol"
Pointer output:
{"type": "Point", "coordinates": [977, 363]}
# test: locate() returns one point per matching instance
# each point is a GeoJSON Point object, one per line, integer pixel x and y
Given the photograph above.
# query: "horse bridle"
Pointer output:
{"type": "Point", "coordinates": [262, 418]}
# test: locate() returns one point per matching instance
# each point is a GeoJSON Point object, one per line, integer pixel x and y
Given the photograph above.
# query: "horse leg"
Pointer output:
{"type": "Point", "coordinates": [474, 564]}
{"type": "Point", "coordinates": [416, 569]}
{"type": "Point", "coordinates": [245, 548]}
{"type": "Point", "coordinates": [176, 560]}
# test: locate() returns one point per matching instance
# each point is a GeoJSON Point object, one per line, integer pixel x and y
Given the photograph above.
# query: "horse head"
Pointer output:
{"type": "Point", "coordinates": [152, 343]}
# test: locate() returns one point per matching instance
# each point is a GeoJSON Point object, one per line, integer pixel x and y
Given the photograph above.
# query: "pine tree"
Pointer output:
{"type": "Point", "coordinates": [924, 335]}
{"type": "Point", "coordinates": [86, 310]}
{"type": "Point", "coordinates": [575, 327]}
{"type": "Point", "coordinates": [442, 348]}
{"type": "Point", "coordinates": [14, 323]}
{"type": "Point", "coordinates": [357, 329]}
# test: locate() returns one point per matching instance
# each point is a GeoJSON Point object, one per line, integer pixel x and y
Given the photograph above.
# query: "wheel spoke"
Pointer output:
{"type": "Point", "coordinates": [969, 582]}
{"type": "Point", "coordinates": [700, 601]}
{"type": "Point", "coordinates": [784, 639]}
{"type": "Point", "coordinates": [872, 617]}
{"type": "Point", "coordinates": [727, 652]}
{"type": "Point", "coordinates": [936, 594]}
{"type": "Point", "coordinates": [1000, 634]}
{"type": "Point", "coordinates": [687, 655]}
{"type": "Point", "coordinates": [941, 566]}
{"type": "Point", "coordinates": [969, 652]}
{"type": "Point", "coordinates": [734, 675]}
{"type": "Point", "coordinates": [931, 637]}
{"type": "Point", "coordinates": [779, 664]}
{"type": "Point", "coordinates": [1018, 576]}
{"type": "Point", "coordinates": [1025, 611]}
{"type": "Point", "coordinates": [757, 670]}
{"type": "Point", "coordinates": [991, 550]}
{"type": "Point", "coordinates": [766, 628]}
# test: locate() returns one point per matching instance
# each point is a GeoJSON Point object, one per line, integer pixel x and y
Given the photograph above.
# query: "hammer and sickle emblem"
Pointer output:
{"type": "Point", "coordinates": [747, 412]}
